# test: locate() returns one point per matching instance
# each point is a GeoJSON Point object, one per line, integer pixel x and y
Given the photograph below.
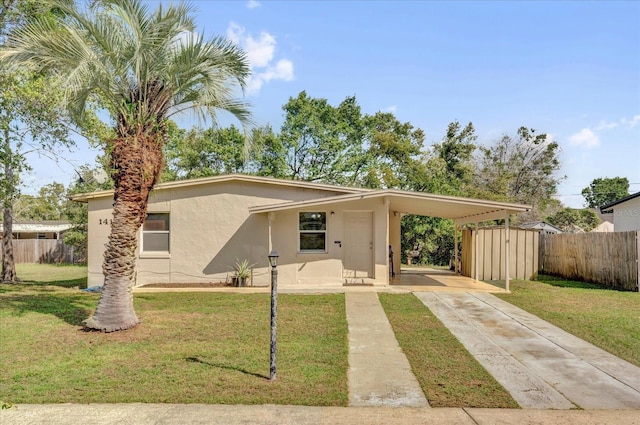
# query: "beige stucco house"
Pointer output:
{"type": "Point", "coordinates": [196, 230]}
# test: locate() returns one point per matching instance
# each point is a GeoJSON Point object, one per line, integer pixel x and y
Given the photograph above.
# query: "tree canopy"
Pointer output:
{"type": "Point", "coordinates": [604, 190]}
{"type": "Point", "coordinates": [30, 119]}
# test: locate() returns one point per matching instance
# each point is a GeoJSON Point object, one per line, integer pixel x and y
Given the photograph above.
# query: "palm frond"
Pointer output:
{"type": "Point", "coordinates": [145, 65]}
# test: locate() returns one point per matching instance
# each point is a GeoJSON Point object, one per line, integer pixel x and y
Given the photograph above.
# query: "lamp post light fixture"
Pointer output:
{"type": "Point", "coordinates": [273, 261]}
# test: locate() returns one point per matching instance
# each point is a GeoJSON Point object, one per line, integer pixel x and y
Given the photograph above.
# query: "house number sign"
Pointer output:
{"type": "Point", "coordinates": [105, 221]}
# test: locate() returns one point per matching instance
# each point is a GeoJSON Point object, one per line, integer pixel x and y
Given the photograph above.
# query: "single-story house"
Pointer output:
{"type": "Point", "coordinates": [543, 226]}
{"type": "Point", "coordinates": [196, 230]}
{"type": "Point", "coordinates": [47, 229]}
{"type": "Point", "coordinates": [626, 213]}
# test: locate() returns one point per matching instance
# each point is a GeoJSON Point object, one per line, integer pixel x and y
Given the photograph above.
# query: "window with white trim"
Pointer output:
{"type": "Point", "coordinates": [155, 233]}
{"type": "Point", "coordinates": [312, 231]}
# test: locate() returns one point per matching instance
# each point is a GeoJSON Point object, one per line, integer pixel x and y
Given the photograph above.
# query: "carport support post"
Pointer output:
{"type": "Point", "coordinates": [455, 249]}
{"type": "Point", "coordinates": [475, 253]}
{"type": "Point", "coordinates": [506, 251]}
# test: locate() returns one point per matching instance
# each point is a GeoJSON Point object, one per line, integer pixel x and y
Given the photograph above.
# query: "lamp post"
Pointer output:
{"type": "Point", "coordinates": [273, 261]}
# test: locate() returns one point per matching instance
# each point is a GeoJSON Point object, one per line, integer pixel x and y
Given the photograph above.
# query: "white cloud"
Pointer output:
{"type": "Point", "coordinates": [392, 109]}
{"type": "Point", "coordinates": [584, 137]}
{"type": "Point", "coordinates": [261, 52]}
{"type": "Point", "coordinates": [632, 122]}
{"type": "Point", "coordinates": [606, 125]}
{"type": "Point", "coordinates": [234, 32]}
{"type": "Point", "coordinates": [282, 71]}
{"type": "Point", "coordinates": [623, 122]}
{"type": "Point", "coordinates": [252, 4]}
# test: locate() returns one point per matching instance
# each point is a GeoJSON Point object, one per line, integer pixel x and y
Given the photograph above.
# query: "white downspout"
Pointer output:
{"type": "Point", "coordinates": [387, 203]}
{"type": "Point", "coordinates": [455, 249]}
{"type": "Point", "coordinates": [272, 217]}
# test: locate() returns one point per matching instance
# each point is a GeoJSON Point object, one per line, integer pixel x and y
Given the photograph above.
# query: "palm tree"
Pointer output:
{"type": "Point", "coordinates": [143, 66]}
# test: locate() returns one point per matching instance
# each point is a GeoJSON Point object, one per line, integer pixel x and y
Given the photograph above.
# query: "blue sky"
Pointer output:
{"type": "Point", "coordinates": [569, 69]}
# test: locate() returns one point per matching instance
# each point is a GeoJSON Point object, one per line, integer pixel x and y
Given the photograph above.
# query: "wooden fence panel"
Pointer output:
{"type": "Point", "coordinates": [608, 259]}
{"type": "Point", "coordinates": [42, 251]}
{"type": "Point", "coordinates": [523, 253]}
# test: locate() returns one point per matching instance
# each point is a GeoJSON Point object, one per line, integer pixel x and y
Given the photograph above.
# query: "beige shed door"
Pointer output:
{"type": "Point", "coordinates": [358, 244]}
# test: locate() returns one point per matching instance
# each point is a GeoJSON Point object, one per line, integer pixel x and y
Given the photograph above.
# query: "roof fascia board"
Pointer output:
{"type": "Point", "coordinates": [488, 216]}
{"type": "Point", "coordinates": [512, 208]}
{"type": "Point", "coordinates": [85, 197]}
{"type": "Point", "coordinates": [312, 202]}
{"type": "Point", "coordinates": [459, 200]}
{"type": "Point", "coordinates": [605, 209]}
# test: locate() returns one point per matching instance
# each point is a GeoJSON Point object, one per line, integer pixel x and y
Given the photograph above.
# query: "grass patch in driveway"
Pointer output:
{"type": "Point", "coordinates": [606, 318]}
{"type": "Point", "coordinates": [448, 374]}
{"type": "Point", "coordinates": [190, 348]}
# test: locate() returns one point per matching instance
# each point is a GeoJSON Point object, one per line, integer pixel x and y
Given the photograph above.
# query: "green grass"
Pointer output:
{"type": "Point", "coordinates": [606, 318]}
{"type": "Point", "coordinates": [190, 348]}
{"type": "Point", "coordinates": [448, 374]}
{"type": "Point", "coordinates": [65, 275]}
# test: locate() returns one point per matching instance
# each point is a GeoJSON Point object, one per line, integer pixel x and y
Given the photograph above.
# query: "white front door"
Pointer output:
{"type": "Point", "coordinates": [358, 244]}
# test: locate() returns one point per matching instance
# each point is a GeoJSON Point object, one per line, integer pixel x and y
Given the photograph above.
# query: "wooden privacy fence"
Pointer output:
{"type": "Point", "coordinates": [43, 251]}
{"type": "Point", "coordinates": [523, 253]}
{"type": "Point", "coordinates": [608, 259]}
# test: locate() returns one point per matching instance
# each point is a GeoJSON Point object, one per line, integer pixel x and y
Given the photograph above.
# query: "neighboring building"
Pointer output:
{"type": "Point", "coordinates": [626, 213]}
{"type": "Point", "coordinates": [38, 229]}
{"type": "Point", "coordinates": [604, 227]}
{"type": "Point", "coordinates": [544, 227]}
{"type": "Point", "coordinates": [196, 230]}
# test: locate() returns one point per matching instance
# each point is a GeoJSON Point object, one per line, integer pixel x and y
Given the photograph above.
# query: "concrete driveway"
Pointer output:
{"type": "Point", "coordinates": [542, 366]}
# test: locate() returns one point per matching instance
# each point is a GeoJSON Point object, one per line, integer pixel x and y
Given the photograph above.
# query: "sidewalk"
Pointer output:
{"type": "Point", "coordinates": [196, 414]}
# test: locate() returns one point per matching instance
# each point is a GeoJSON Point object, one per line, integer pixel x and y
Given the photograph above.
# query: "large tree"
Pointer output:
{"type": "Point", "coordinates": [321, 141]}
{"type": "Point", "coordinates": [604, 190]}
{"type": "Point", "coordinates": [393, 153]}
{"type": "Point", "coordinates": [29, 121]}
{"type": "Point", "coordinates": [49, 204]}
{"type": "Point", "coordinates": [202, 153]}
{"type": "Point", "coordinates": [144, 66]}
{"type": "Point", "coordinates": [521, 169]}
{"type": "Point", "coordinates": [569, 219]}
{"type": "Point", "coordinates": [447, 169]}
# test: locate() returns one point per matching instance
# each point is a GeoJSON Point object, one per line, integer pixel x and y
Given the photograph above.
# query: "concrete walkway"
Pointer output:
{"type": "Point", "coordinates": [199, 414]}
{"type": "Point", "coordinates": [542, 366]}
{"type": "Point", "coordinates": [379, 372]}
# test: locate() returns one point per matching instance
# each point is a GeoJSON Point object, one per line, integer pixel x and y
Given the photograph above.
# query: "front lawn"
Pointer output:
{"type": "Point", "coordinates": [606, 318]}
{"type": "Point", "coordinates": [66, 275]}
{"type": "Point", "coordinates": [190, 348]}
{"type": "Point", "coordinates": [448, 374]}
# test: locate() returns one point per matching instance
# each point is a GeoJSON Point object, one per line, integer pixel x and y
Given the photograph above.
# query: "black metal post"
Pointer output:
{"type": "Point", "coordinates": [274, 325]}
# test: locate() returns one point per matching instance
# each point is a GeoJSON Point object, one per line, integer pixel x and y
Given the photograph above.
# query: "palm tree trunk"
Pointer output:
{"type": "Point", "coordinates": [137, 161]}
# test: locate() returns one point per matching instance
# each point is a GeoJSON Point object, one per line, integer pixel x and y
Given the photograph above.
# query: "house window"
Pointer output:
{"type": "Point", "coordinates": [155, 233]}
{"type": "Point", "coordinates": [312, 230]}
{"type": "Point", "coordinates": [41, 236]}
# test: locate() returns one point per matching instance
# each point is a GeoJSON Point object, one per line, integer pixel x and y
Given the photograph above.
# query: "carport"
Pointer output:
{"type": "Point", "coordinates": [463, 211]}
{"type": "Point", "coordinates": [389, 205]}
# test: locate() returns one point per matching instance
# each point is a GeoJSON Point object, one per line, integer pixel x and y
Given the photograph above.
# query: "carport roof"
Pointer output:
{"type": "Point", "coordinates": [461, 210]}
